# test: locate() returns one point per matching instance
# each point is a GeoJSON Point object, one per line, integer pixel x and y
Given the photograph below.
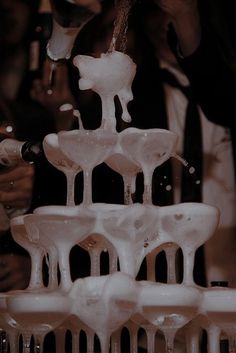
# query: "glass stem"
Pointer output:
{"type": "Point", "coordinates": [26, 342]}
{"type": "Point", "coordinates": [115, 342]}
{"type": "Point", "coordinates": [213, 334]}
{"type": "Point", "coordinates": [90, 341]}
{"type": "Point", "coordinates": [105, 344]}
{"type": "Point", "coordinates": [53, 262]}
{"type": "Point", "coordinates": [151, 334]}
{"type": "Point", "coordinates": [232, 343]}
{"type": "Point", "coordinates": [170, 252]}
{"type": "Point", "coordinates": [13, 336]}
{"type": "Point", "coordinates": [133, 332]}
{"type": "Point", "coordinates": [127, 189]}
{"type": "Point", "coordinates": [36, 277]}
{"type": "Point", "coordinates": [60, 336]}
{"type": "Point", "coordinates": [151, 267]}
{"type": "Point", "coordinates": [188, 267]}
{"type": "Point", "coordinates": [170, 337]}
{"type": "Point", "coordinates": [95, 255]}
{"type": "Point", "coordinates": [108, 113]}
{"type": "Point", "coordinates": [70, 197]}
{"type": "Point", "coordinates": [87, 196]}
{"type": "Point", "coordinates": [38, 345]}
{"type": "Point", "coordinates": [112, 261]}
{"type": "Point", "coordinates": [3, 341]}
{"type": "Point", "coordinates": [75, 342]}
{"type": "Point", "coordinates": [64, 266]}
{"type": "Point", "coordinates": [147, 194]}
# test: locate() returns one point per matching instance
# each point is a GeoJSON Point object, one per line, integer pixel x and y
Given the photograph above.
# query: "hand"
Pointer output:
{"type": "Point", "coordinates": [55, 94]}
{"type": "Point", "coordinates": [16, 185]}
{"type": "Point", "coordinates": [14, 272]}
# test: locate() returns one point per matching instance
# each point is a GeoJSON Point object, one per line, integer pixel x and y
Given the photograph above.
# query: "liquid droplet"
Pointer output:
{"type": "Point", "coordinates": [191, 170]}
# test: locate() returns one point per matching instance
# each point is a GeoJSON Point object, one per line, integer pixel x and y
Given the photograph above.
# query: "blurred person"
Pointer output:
{"type": "Point", "coordinates": [208, 55]}
{"type": "Point", "coordinates": [31, 115]}
{"type": "Point", "coordinates": [164, 106]}
{"type": "Point", "coordinates": [15, 22]}
{"type": "Point", "coordinates": [16, 186]}
{"type": "Point", "coordinates": [21, 185]}
{"type": "Point", "coordinates": [53, 88]}
{"type": "Point", "coordinates": [218, 187]}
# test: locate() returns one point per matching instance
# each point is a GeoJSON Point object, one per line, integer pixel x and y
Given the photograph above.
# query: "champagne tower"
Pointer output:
{"type": "Point", "coordinates": [98, 309]}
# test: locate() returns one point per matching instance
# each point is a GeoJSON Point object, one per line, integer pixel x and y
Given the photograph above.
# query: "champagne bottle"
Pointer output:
{"type": "Point", "coordinates": [12, 151]}
{"type": "Point", "coordinates": [39, 38]}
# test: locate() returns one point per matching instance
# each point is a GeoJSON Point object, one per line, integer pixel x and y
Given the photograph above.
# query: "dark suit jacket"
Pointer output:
{"type": "Point", "coordinates": [214, 84]}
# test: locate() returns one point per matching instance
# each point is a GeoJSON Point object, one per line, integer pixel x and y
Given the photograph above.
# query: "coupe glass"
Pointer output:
{"type": "Point", "coordinates": [87, 148]}
{"type": "Point", "coordinates": [130, 229]}
{"type": "Point", "coordinates": [219, 304]}
{"type": "Point", "coordinates": [8, 328]}
{"type": "Point", "coordinates": [110, 75]}
{"type": "Point", "coordinates": [189, 225]}
{"type": "Point", "coordinates": [36, 314]}
{"type": "Point", "coordinates": [126, 168]}
{"type": "Point", "coordinates": [60, 161]}
{"type": "Point", "coordinates": [64, 231]}
{"type": "Point", "coordinates": [148, 149]}
{"type": "Point", "coordinates": [35, 250]}
{"type": "Point", "coordinates": [112, 297]}
{"type": "Point", "coordinates": [169, 307]}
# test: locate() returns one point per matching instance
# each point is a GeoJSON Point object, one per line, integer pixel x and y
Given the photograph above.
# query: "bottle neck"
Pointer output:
{"type": "Point", "coordinates": [12, 151]}
{"type": "Point", "coordinates": [32, 151]}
